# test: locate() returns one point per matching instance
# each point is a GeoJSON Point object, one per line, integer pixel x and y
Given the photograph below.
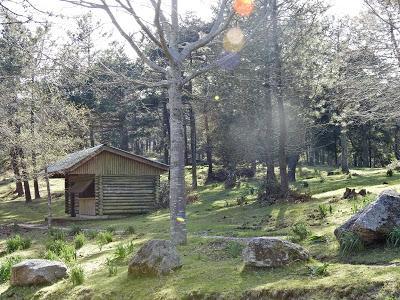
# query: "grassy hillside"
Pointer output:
{"type": "Point", "coordinates": [213, 267]}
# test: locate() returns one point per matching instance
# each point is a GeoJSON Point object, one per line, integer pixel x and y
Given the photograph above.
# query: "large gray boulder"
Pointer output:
{"type": "Point", "coordinates": [376, 221]}
{"type": "Point", "coordinates": [37, 272]}
{"type": "Point", "coordinates": [155, 257]}
{"type": "Point", "coordinates": [272, 252]}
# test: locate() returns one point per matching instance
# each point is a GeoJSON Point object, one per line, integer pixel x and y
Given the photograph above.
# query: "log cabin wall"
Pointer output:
{"type": "Point", "coordinates": [122, 185]}
{"type": "Point", "coordinates": [127, 194]}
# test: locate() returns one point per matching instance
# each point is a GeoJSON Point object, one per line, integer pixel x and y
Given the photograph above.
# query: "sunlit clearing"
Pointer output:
{"type": "Point", "coordinates": [234, 40]}
{"type": "Point", "coordinates": [216, 98]}
{"type": "Point", "coordinates": [243, 8]}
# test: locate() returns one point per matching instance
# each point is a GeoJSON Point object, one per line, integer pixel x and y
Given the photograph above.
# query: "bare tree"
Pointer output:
{"type": "Point", "coordinates": [172, 72]}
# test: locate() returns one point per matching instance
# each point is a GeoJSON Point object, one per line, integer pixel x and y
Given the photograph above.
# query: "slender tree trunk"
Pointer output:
{"type": "Point", "coordinates": [27, 190]}
{"type": "Point", "coordinates": [397, 142]}
{"type": "Point", "coordinates": [277, 91]}
{"type": "Point", "coordinates": [49, 209]}
{"type": "Point", "coordinates": [34, 164]}
{"type": "Point", "coordinates": [269, 131]}
{"type": "Point", "coordinates": [292, 165]}
{"type": "Point", "coordinates": [35, 177]}
{"type": "Point", "coordinates": [177, 165]}
{"type": "Point", "coordinates": [185, 137]}
{"type": "Point", "coordinates": [14, 163]}
{"type": "Point", "coordinates": [208, 146]}
{"type": "Point", "coordinates": [345, 153]}
{"type": "Point", "coordinates": [124, 133]}
{"type": "Point", "coordinates": [91, 136]}
{"type": "Point", "coordinates": [193, 146]}
{"type": "Point", "coordinates": [336, 153]}
{"type": "Point", "coordinates": [364, 147]}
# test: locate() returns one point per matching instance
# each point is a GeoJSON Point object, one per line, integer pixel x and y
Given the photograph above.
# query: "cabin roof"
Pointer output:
{"type": "Point", "coordinates": [76, 159]}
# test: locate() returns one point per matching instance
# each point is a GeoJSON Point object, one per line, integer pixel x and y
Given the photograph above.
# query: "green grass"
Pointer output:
{"type": "Point", "coordinates": [212, 267]}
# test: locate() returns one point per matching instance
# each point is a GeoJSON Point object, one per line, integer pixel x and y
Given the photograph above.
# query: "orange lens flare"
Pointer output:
{"type": "Point", "coordinates": [243, 8]}
{"type": "Point", "coordinates": [234, 40]}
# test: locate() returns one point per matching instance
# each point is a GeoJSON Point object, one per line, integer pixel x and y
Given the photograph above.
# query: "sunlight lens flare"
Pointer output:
{"type": "Point", "coordinates": [180, 220]}
{"type": "Point", "coordinates": [234, 40]}
{"type": "Point", "coordinates": [244, 8]}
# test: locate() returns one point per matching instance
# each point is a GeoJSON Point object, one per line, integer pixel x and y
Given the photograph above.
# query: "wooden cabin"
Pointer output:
{"type": "Point", "coordinates": [104, 180]}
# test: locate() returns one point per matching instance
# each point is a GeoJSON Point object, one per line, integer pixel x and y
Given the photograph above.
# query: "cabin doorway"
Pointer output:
{"type": "Point", "coordinates": [84, 189]}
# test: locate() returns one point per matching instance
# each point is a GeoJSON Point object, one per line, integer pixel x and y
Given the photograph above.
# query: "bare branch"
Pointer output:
{"type": "Point", "coordinates": [130, 40]}
{"type": "Point", "coordinates": [218, 27]}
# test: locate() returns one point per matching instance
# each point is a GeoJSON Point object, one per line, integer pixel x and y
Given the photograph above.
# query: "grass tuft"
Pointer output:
{"type": "Point", "coordinates": [5, 267]}
{"type": "Point", "coordinates": [77, 275]}
{"type": "Point", "coordinates": [350, 243]}
{"type": "Point", "coordinates": [16, 243]}
{"type": "Point", "coordinates": [393, 239]}
{"type": "Point", "coordinates": [79, 240]}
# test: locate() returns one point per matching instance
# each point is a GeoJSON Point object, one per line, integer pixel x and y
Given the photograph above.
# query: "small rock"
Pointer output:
{"type": "Point", "coordinates": [37, 272]}
{"type": "Point", "coordinates": [272, 252]}
{"type": "Point", "coordinates": [155, 257]}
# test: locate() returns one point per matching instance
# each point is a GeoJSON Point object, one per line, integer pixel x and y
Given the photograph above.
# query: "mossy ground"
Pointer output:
{"type": "Point", "coordinates": [213, 268]}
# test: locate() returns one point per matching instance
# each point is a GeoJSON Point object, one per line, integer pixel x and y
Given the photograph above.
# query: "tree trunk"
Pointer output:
{"type": "Point", "coordinates": [124, 133]}
{"type": "Point", "coordinates": [166, 134]}
{"type": "Point", "coordinates": [177, 165]}
{"type": "Point", "coordinates": [345, 153]}
{"type": "Point", "coordinates": [186, 142]}
{"type": "Point", "coordinates": [269, 131]}
{"type": "Point", "coordinates": [292, 165]}
{"type": "Point", "coordinates": [208, 146]}
{"type": "Point", "coordinates": [364, 147]}
{"type": "Point", "coordinates": [277, 90]}
{"type": "Point", "coordinates": [27, 190]}
{"type": "Point", "coordinates": [14, 163]}
{"type": "Point", "coordinates": [49, 210]}
{"type": "Point", "coordinates": [193, 146]}
{"type": "Point", "coordinates": [397, 142]}
{"type": "Point", "coordinates": [91, 136]}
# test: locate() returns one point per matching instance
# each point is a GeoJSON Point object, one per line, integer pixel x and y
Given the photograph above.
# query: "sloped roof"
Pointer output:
{"type": "Point", "coordinates": [74, 160]}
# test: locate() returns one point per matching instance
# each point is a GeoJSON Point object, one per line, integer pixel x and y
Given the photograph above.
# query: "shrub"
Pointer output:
{"type": "Point", "coordinates": [130, 230]}
{"type": "Point", "coordinates": [234, 249]}
{"type": "Point", "coordinates": [79, 240]}
{"type": "Point", "coordinates": [17, 243]}
{"type": "Point", "coordinates": [319, 270]}
{"type": "Point", "coordinates": [56, 234]}
{"type": "Point", "coordinates": [104, 238]}
{"type": "Point", "coordinates": [50, 255]}
{"type": "Point", "coordinates": [77, 275]}
{"type": "Point", "coordinates": [323, 211]}
{"type": "Point", "coordinates": [350, 243]}
{"type": "Point", "coordinates": [111, 267]}
{"type": "Point", "coordinates": [75, 229]}
{"type": "Point", "coordinates": [110, 229]}
{"type": "Point", "coordinates": [5, 267]}
{"type": "Point", "coordinates": [62, 250]}
{"type": "Point", "coordinates": [130, 247]}
{"type": "Point", "coordinates": [300, 231]}
{"type": "Point", "coordinates": [91, 234]}
{"type": "Point", "coordinates": [120, 252]}
{"type": "Point", "coordinates": [393, 238]}
{"type": "Point", "coordinates": [389, 173]}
